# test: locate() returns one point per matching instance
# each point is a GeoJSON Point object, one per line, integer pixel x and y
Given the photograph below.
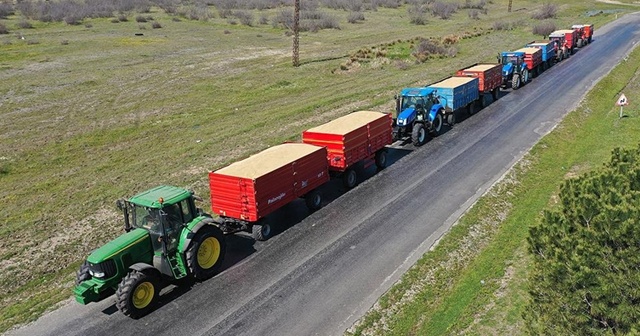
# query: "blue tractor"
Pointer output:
{"type": "Point", "coordinates": [419, 113]}
{"type": "Point", "coordinates": [514, 69]}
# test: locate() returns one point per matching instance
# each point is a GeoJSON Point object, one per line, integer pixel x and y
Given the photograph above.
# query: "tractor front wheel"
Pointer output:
{"type": "Point", "coordinates": [83, 273]}
{"type": "Point", "coordinates": [515, 82]}
{"type": "Point", "coordinates": [137, 293]}
{"type": "Point", "coordinates": [418, 135]}
{"type": "Point", "coordinates": [206, 253]}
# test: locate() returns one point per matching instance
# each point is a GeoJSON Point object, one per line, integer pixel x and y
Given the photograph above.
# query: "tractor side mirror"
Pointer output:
{"type": "Point", "coordinates": [120, 204]}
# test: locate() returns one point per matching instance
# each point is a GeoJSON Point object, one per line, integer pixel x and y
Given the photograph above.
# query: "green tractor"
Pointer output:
{"type": "Point", "coordinates": [167, 238]}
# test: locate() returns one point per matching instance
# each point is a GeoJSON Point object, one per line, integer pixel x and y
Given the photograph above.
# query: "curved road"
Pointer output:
{"type": "Point", "coordinates": [319, 276]}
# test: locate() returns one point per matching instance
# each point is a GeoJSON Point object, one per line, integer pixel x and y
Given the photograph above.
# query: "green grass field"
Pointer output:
{"type": "Point", "coordinates": [93, 112]}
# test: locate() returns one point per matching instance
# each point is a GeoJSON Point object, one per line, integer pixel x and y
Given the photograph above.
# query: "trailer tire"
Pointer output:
{"type": "Point", "coordinates": [137, 293]}
{"type": "Point", "coordinates": [350, 178]}
{"type": "Point", "coordinates": [206, 253]}
{"type": "Point", "coordinates": [313, 200]}
{"type": "Point", "coordinates": [451, 117]}
{"type": "Point", "coordinates": [381, 159]}
{"type": "Point", "coordinates": [262, 231]}
{"type": "Point", "coordinates": [437, 123]}
{"type": "Point", "coordinates": [83, 273]}
{"type": "Point", "coordinates": [496, 94]}
{"type": "Point", "coordinates": [471, 110]}
{"type": "Point", "coordinates": [515, 82]}
{"type": "Point", "coordinates": [419, 135]}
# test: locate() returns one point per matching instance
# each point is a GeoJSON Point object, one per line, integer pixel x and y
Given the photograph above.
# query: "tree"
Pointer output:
{"type": "Point", "coordinates": [586, 271]}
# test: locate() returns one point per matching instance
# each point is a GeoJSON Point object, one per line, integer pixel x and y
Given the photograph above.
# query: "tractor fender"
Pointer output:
{"type": "Point", "coordinates": [141, 267]}
{"type": "Point", "coordinates": [191, 230]}
{"type": "Point", "coordinates": [434, 110]}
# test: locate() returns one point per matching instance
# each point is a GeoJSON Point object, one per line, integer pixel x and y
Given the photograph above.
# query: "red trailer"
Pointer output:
{"type": "Point", "coordinates": [243, 193]}
{"type": "Point", "coordinates": [585, 34]}
{"type": "Point", "coordinates": [489, 77]}
{"type": "Point", "coordinates": [352, 141]}
{"type": "Point", "coordinates": [567, 40]}
{"type": "Point", "coordinates": [533, 59]}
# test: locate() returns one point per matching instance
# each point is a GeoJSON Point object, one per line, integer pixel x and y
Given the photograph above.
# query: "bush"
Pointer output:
{"type": "Point", "coordinates": [6, 9]}
{"type": "Point", "coordinates": [73, 19]}
{"type": "Point", "coordinates": [64, 42]}
{"type": "Point", "coordinates": [24, 24]}
{"type": "Point", "coordinates": [444, 10]}
{"type": "Point", "coordinates": [245, 17]}
{"type": "Point", "coordinates": [429, 48]}
{"type": "Point", "coordinates": [471, 5]}
{"type": "Point", "coordinates": [502, 25]}
{"type": "Point", "coordinates": [354, 17]}
{"type": "Point", "coordinates": [122, 18]}
{"type": "Point", "coordinates": [264, 19]}
{"type": "Point", "coordinates": [474, 14]}
{"type": "Point", "coordinates": [547, 11]}
{"type": "Point", "coordinates": [141, 19]}
{"type": "Point", "coordinates": [156, 25]}
{"type": "Point", "coordinates": [115, 20]}
{"type": "Point", "coordinates": [88, 25]}
{"type": "Point", "coordinates": [544, 29]}
{"type": "Point", "coordinates": [3, 29]}
{"type": "Point", "coordinates": [176, 19]}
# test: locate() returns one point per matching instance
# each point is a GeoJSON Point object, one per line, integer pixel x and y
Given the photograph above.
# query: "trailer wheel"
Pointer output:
{"type": "Point", "coordinates": [313, 200]}
{"type": "Point", "coordinates": [350, 178]}
{"type": "Point", "coordinates": [471, 110]}
{"type": "Point", "coordinates": [515, 82]}
{"type": "Point", "coordinates": [137, 293]}
{"type": "Point", "coordinates": [206, 253]}
{"type": "Point", "coordinates": [496, 94]}
{"type": "Point", "coordinates": [451, 117]}
{"type": "Point", "coordinates": [262, 231]}
{"type": "Point", "coordinates": [381, 159]}
{"type": "Point", "coordinates": [418, 135]}
{"type": "Point", "coordinates": [83, 273]}
{"type": "Point", "coordinates": [437, 123]}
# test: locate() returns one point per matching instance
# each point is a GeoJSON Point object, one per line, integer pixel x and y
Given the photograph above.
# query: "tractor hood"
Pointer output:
{"type": "Point", "coordinates": [136, 242]}
{"type": "Point", "coordinates": [507, 69]}
{"type": "Point", "coordinates": [406, 117]}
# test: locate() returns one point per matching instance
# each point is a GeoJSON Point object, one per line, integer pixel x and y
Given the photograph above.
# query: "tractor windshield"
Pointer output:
{"type": "Point", "coordinates": [143, 217]}
{"type": "Point", "coordinates": [510, 59]}
{"type": "Point", "coordinates": [411, 102]}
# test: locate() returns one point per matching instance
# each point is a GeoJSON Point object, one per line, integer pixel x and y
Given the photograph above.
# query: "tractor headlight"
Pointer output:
{"type": "Point", "coordinates": [420, 117]}
{"type": "Point", "coordinates": [401, 122]}
{"type": "Point", "coordinates": [96, 274]}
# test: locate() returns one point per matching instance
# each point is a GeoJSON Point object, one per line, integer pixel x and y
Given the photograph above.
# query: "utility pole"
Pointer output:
{"type": "Point", "coordinates": [296, 33]}
{"type": "Point", "coordinates": [510, 1]}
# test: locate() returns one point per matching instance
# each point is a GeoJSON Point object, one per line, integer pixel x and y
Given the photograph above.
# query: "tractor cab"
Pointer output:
{"type": "Point", "coordinates": [414, 104]}
{"type": "Point", "coordinates": [511, 61]}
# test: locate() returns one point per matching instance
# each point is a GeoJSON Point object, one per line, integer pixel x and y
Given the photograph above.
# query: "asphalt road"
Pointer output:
{"type": "Point", "coordinates": [320, 275]}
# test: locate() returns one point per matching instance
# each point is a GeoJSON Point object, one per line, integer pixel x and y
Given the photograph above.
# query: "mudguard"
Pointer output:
{"type": "Point", "coordinates": [434, 110]}
{"type": "Point", "coordinates": [190, 231]}
{"type": "Point", "coordinates": [406, 117]}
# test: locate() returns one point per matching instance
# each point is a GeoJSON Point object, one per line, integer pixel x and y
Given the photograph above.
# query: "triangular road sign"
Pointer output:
{"type": "Point", "coordinates": [622, 101]}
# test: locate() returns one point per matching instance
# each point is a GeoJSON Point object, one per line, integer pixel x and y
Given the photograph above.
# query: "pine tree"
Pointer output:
{"type": "Point", "coordinates": [585, 278]}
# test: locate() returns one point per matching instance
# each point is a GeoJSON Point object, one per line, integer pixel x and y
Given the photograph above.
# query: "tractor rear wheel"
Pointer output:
{"type": "Point", "coordinates": [451, 117]}
{"type": "Point", "coordinates": [418, 135]}
{"type": "Point", "coordinates": [206, 253]}
{"type": "Point", "coordinates": [350, 178]}
{"type": "Point", "coordinates": [83, 273]}
{"type": "Point", "coordinates": [313, 200]}
{"type": "Point", "coordinates": [437, 123]}
{"type": "Point", "coordinates": [262, 231]}
{"type": "Point", "coordinates": [515, 82]}
{"type": "Point", "coordinates": [381, 159]}
{"type": "Point", "coordinates": [137, 293]}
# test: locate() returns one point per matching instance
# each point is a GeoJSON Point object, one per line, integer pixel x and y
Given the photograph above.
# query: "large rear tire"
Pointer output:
{"type": "Point", "coordinates": [381, 159]}
{"type": "Point", "coordinates": [313, 200]}
{"type": "Point", "coordinates": [515, 82]}
{"type": "Point", "coordinates": [206, 253]}
{"type": "Point", "coordinates": [137, 293]}
{"type": "Point", "coordinates": [418, 135]}
{"type": "Point", "coordinates": [437, 123]}
{"type": "Point", "coordinates": [451, 117]}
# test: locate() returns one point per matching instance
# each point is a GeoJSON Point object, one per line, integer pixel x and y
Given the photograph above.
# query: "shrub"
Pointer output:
{"type": "Point", "coordinates": [417, 14]}
{"type": "Point", "coordinates": [73, 19]}
{"type": "Point", "coordinates": [264, 19]}
{"type": "Point", "coordinates": [142, 27]}
{"type": "Point", "coordinates": [3, 29]}
{"type": "Point", "coordinates": [245, 17]}
{"type": "Point", "coordinates": [141, 19]}
{"type": "Point", "coordinates": [115, 20]}
{"type": "Point", "coordinates": [24, 24]}
{"type": "Point", "coordinates": [547, 11]}
{"type": "Point", "coordinates": [64, 42]}
{"type": "Point", "coordinates": [175, 19]}
{"type": "Point", "coordinates": [473, 14]}
{"type": "Point", "coordinates": [88, 25]}
{"type": "Point", "coordinates": [156, 25]}
{"type": "Point", "coordinates": [544, 29]}
{"type": "Point", "coordinates": [6, 9]}
{"type": "Point", "coordinates": [471, 5]}
{"type": "Point", "coordinates": [444, 10]}
{"type": "Point", "coordinates": [33, 42]}
{"type": "Point", "coordinates": [226, 32]}
{"type": "Point", "coordinates": [354, 17]}
{"type": "Point", "coordinates": [502, 25]}
{"type": "Point", "coordinates": [122, 18]}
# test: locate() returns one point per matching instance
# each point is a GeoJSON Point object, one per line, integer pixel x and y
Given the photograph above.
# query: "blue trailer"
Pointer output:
{"type": "Point", "coordinates": [548, 52]}
{"type": "Point", "coordinates": [458, 93]}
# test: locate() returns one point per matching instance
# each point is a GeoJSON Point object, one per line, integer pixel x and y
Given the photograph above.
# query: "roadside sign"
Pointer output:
{"type": "Point", "coordinates": [622, 101]}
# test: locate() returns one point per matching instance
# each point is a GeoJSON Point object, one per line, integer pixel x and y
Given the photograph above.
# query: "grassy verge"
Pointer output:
{"type": "Point", "coordinates": [95, 112]}
{"type": "Point", "coordinates": [474, 282]}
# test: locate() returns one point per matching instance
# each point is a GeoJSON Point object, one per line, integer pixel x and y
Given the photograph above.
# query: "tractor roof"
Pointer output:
{"type": "Point", "coordinates": [151, 197]}
{"type": "Point", "coordinates": [416, 92]}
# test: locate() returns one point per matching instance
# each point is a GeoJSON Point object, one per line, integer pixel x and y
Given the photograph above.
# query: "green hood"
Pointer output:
{"type": "Point", "coordinates": [136, 244]}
